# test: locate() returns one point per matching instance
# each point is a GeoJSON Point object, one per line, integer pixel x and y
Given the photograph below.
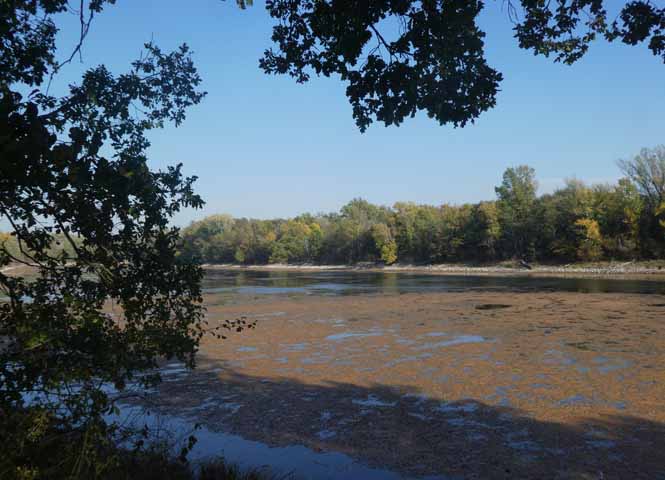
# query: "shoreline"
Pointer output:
{"type": "Point", "coordinates": [606, 269]}
{"type": "Point", "coordinates": [653, 270]}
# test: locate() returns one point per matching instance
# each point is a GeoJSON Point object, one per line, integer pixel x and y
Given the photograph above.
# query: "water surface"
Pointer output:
{"type": "Point", "coordinates": [359, 283]}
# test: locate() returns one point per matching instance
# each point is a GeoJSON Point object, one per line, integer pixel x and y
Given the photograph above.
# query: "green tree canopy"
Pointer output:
{"type": "Point", "coordinates": [516, 202]}
{"type": "Point", "coordinates": [577, 222]}
{"type": "Point", "coordinates": [399, 57]}
{"type": "Point", "coordinates": [73, 169]}
{"type": "Point", "coordinates": [647, 171]}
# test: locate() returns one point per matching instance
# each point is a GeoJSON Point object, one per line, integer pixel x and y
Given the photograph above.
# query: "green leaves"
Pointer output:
{"type": "Point", "coordinates": [516, 202]}
{"type": "Point", "coordinates": [94, 230]}
{"type": "Point", "coordinates": [435, 64]}
{"type": "Point", "coordinates": [566, 29]}
{"type": "Point", "coordinates": [401, 57]}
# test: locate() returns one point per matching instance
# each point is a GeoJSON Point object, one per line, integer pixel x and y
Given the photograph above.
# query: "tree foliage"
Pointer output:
{"type": "Point", "coordinates": [116, 288]}
{"type": "Point", "coordinates": [110, 294]}
{"type": "Point", "coordinates": [577, 222]}
{"type": "Point", "coordinates": [384, 243]}
{"type": "Point", "coordinates": [590, 239]}
{"type": "Point", "coordinates": [516, 202]}
{"type": "Point", "coordinates": [647, 171]}
{"type": "Point", "coordinates": [398, 57]}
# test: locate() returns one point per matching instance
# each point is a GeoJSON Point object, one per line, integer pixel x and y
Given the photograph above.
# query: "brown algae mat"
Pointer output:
{"type": "Point", "coordinates": [471, 385]}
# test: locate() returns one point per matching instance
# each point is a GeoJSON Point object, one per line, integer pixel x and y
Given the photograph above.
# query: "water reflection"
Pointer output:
{"type": "Point", "coordinates": [275, 462]}
{"type": "Point", "coordinates": [353, 283]}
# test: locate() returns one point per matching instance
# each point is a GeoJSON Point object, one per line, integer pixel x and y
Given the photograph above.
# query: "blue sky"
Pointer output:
{"type": "Point", "coordinates": [264, 146]}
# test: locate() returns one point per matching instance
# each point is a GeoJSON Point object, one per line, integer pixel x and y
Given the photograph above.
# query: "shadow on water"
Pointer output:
{"type": "Point", "coordinates": [396, 429]}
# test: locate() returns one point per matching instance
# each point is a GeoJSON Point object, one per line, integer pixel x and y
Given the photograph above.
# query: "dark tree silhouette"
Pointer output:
{"type": "Point", "coordinates": [74, 170]}
{"type": "Point", "coordinates": [434, 60]}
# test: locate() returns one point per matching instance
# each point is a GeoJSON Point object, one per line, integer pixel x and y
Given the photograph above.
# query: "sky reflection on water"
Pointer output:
{"type": "Point", "coordinates": [358, 283]}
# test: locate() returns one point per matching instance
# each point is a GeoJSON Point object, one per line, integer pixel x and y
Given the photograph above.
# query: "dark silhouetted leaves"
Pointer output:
{"type": "Point", "coordinates": [398, 57]}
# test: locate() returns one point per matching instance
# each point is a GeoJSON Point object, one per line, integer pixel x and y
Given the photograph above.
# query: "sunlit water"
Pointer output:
{"type": "Point", "coordinates": [359, 283]}
{"type": "Point", "coordinates": [305, 462]}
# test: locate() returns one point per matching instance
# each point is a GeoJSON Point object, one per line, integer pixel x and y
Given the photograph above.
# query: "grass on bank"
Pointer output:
{"type": "Point", "coordinates": [95, 454]}
{"type": "Point", "coordinates": [158, 465]}
{"type": "Point", "coordinates": [147, 465]}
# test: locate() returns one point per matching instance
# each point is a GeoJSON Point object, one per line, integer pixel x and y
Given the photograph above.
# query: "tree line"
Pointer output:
{"type": "Point", "coordinates": [577, 222]}
{"type": "Point", "coordinates": [92, 220]}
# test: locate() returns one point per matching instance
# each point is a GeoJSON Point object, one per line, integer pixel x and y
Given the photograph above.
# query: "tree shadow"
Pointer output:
{"type": "Point", "coordinates": [394, 427]}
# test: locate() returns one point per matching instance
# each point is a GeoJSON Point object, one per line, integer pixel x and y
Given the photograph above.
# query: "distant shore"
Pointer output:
{"type": "Point", "coordinates": [655, 269]}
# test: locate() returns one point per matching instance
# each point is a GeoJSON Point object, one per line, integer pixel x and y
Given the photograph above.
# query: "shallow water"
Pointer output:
{"type": "Point", "coordinates": [359, 283]}
{"type": "Point", "coordinates": [291, 462]}
{"type": "Point", "coordinates": [553, 384]}
{"type": "Point", "coordinates": [457, 378]}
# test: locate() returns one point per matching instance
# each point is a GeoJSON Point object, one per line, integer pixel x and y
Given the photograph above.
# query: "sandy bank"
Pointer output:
{"type": "Point", "coordinates": [655, 270]}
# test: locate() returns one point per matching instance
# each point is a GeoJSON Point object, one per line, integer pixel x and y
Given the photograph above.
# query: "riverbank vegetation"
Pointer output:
{"type": "Point", "coordinates": [92, 219]}
{"type": "Point", "coordinates": [575, 223]}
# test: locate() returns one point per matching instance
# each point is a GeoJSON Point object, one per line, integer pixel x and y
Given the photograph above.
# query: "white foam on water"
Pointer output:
{"type": "Point", "coordinates": [373, 401]}
{"type": "Point", "coordinates": [343, 336]}
{"type": "Point", "coordinates": [460, 340]}
{"type": "Point", "coordinates": [326, 434]}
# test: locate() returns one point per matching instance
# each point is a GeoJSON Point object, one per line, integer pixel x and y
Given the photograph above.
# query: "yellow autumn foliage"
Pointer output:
{"type": "Point", "coordinates": [591, 240]}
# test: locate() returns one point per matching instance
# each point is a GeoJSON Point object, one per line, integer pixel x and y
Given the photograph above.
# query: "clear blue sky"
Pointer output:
{"type": "Point", "coordinates": [266, 147]}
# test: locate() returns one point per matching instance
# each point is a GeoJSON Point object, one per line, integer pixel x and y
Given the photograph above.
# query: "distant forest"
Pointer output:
{"type": "Point", "coordinates": [578, 222]}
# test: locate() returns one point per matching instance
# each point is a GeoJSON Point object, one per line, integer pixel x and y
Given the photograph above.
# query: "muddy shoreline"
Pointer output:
{"type": "Point", "coordinates": [464, 385]}
{"type": "Point", "coordinates": [628, 270]}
